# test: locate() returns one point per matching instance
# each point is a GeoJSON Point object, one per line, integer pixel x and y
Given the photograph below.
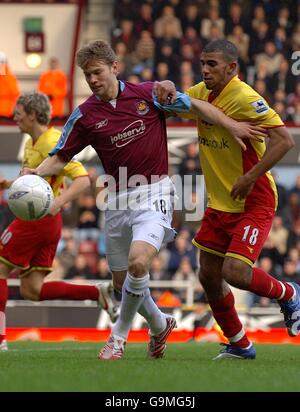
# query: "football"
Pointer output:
{"type": "Point", "coordinates": [30, 197]}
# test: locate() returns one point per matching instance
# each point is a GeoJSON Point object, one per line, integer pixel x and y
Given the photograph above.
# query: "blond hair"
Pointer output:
{"type": "Point", "coordinates": [39, 104]}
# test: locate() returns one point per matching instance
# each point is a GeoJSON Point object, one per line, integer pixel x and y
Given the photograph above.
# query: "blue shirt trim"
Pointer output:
{"type": "Point", "coordinates": [68, 127]}
{"type": "Point", "coordinates": [182, 104]}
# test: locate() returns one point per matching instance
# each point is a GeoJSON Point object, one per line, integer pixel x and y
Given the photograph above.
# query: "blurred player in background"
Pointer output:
{"type": "Point", "coordinates": [54, 84]}
{"type": "Point", "coordinates": [242, 198]}
{"type": "Point", "coordinates": [123, 124]}
{"type": "Point", "coordinates": [31, 246]}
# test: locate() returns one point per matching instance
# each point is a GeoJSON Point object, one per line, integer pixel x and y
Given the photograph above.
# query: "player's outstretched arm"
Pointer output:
{"type": "Point", "coordinates": [78, 185]}
{"type": "Point", "coordinates": [280, 143]}
{"type": "Point", "coordinates": [52, 165]}
{"type": "Point", "coordinates": [239, 130]}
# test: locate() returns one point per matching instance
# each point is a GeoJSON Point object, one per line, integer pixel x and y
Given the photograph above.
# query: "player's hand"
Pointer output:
{"type": "Point", "coordinates": [245, 130]}
{"type": "Point", "coordinates": [28, 171]}
{"type": "Point", "coordinates": [4, 184]}
{"type": "Point", "coordinates": [55, 208]}
{"type": "Point", "coordinates": [241, 188]}
{"type": "Point", "coordinates": [165, 92]}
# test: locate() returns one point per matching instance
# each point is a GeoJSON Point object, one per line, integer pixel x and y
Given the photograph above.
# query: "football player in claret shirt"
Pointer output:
{"type": "Point", "coordinates": [123, 123]}
{"type": "Point", "coordinates": [242, 198]}
{"type": "Point", "coordinates": [31, 246]}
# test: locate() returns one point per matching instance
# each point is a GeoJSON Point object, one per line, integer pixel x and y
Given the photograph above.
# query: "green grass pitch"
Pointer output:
{"type": "Point", "coordinates": [72, 366]}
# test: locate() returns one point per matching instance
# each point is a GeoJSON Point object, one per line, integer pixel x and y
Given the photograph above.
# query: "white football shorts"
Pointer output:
{"type": "Point", "coordinates": [146, 215]}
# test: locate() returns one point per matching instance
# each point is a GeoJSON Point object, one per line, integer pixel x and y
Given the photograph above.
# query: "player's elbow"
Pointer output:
{"type": "Point", "coordinates": [85, 182]}
{"type": "Point", "coordinates": [290, 142]}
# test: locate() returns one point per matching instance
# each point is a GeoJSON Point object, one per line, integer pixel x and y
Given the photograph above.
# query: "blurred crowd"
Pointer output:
{"type": "Point", "coordinates": [163, 40]}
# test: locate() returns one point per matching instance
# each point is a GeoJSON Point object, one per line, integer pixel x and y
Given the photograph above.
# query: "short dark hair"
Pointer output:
{"type": "Point", "coordinates": [95, 50]}
{"type": "Point", "coordinates": [229, 50]}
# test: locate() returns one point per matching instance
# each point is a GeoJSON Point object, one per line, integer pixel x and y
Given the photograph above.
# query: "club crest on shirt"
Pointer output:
{"type": "Point", "coordinates": [260, 106]}
{"type": "Point", "coordinates": [142, 107]}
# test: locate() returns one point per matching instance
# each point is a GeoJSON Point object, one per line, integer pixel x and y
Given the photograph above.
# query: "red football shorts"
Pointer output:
{"type": "Point", "coordinates": [239, 235]}
{"type": "Point", "coordinates": [31, 246]}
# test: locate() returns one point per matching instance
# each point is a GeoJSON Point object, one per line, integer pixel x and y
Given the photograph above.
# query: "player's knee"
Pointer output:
{"type": "Point", "coordinates": [236, 273]}
{"type": "Point", "coordinates": [137, 266]}
{"type": "Point", "coordinates": [30, 293]}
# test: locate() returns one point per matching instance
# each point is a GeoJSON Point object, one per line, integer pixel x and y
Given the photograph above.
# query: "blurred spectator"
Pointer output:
{"type": "Point", "coordinates": [125, 34]}
{"type": "Point", "coordinates": [269, 250]}
{"type": "Point", "coordinates": [258, 40]}
{"type": "Point", "coordinates": [270, 57]}
{"type": "Point", "coordinates": [241, 40]}
{"type": "Point", "coordinates": [284, 21]}
{"type": "Point", "coordinates": [283, 79]}
{"type": "Point", "coordinates": [126, 10]}
{"type": "Point", "coordinates": [190, 165]}
{"type": "Point", "coordinates": [295, 115]}
{"type": "Point", "coordinates": [157, 270]}
{"type": "Point", "coordinates": [9, 88]}
{"type": "Point", "coordinates": [54, 84]}
{"type": "Point", "coordinates": [294, 98]}
{"type": "Point", "coordinates": [125, 60]}
{"type": "Point", "coordinates": [145, 51]}
{"type": "Point", "coordinates": [102, 272]}
{"type": "Point", "coordinates": [294, 256]}
{"type": "Point", "coordinates": [80, 270]}
{"type": "Point", "coordinates": [88, 214]}
{"type": "Point", "coordinates": [259, 17]}
{"type": "Point", "coordinates": [191, 37]}
{"type": "Point", "coordinates": [289, 272]}
{"type": "Point", "coordinates": [190, 17]}
{"type": "Point", "coordinates": [145, 19]}
{"type": "Point", "coordinates": [296, 187]}
{"type": "Point", "coordinates": [282, 194]}
{"type": "Point", "coordinates": [179, 249]}
{"type": "Point", "coordinates": [146, 75]}
{"type": "Point", "coordinates": [278, 235]}
{"type": "Point", "coordinates": [294, 235]}
{"type": "Point", "coordinates": [261, 88]}
{"type": "Point", "coordinates": [186, 272]}
{"type": "Point", "coordinates": [66, 256]}
{"type": "Point", "coordinates": [295, 41]}
{"type": "Point", "coordinates": [213, 18]}
{"type": "Point", "coordinates": [235, 18]}
{"type": "Point", "coordinates": [168, 18]}
{"type": "Point", "coordinates": [280, 40]}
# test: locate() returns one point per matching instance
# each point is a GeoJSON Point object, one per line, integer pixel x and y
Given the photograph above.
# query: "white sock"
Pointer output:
{"type": "Point", "coordinates": [153, 315]}
{"type": "Point", "coordinates": [133, 293]}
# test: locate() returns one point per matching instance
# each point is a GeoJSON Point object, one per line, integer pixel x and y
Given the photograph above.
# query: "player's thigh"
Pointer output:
{"type": "Point", "coordinates": [4, 270]}
{"type": "Point", "coordinates": [118, 237]}
{"type": "Point", "coordinates": [249, 234]}
{"type": "Point", "coordinates": [18, 244]}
